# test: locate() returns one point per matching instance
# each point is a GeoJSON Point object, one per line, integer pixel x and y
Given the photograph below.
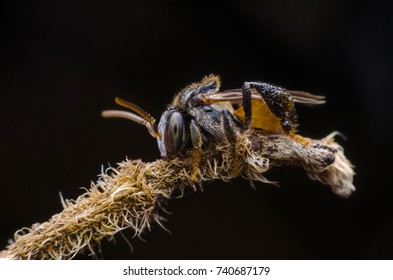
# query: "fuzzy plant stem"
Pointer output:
{"type": "Point", "coordinates": [130, 195]}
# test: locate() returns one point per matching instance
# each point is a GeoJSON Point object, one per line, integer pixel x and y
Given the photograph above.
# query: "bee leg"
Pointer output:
{"type": "Point", "coordinates": [278, 100]}
{"type": "Point", "coordinates": [229, 126]}
{"type": "Point", "coordinates": [246, 91]}
{"type": "Point", "coordinates": [196, 140]}
{"type": "Point", "coordinates": [196, 137]}
{"type": "Point", "coordinates": [230, 130]}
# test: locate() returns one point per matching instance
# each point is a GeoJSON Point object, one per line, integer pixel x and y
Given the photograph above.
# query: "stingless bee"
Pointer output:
{"type": "Point", "coordinates": [201, 115]}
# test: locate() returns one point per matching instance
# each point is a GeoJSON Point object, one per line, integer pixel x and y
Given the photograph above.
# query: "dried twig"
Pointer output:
{"type": "Point", "coordinates": [129, 196]}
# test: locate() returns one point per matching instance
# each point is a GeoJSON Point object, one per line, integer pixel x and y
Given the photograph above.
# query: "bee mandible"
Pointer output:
{"type": "Point", "coordinates": [201, 114]}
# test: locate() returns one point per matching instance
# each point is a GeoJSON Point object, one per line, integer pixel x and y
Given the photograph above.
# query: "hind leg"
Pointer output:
{"type": "Point", "coordinates": [277, 99]}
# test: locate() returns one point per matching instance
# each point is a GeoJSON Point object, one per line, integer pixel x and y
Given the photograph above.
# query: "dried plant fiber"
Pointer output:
{"type": "Point", "coordinates": [130, 195]}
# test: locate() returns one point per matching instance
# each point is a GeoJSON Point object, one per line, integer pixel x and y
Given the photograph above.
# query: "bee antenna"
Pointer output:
{"type": "Point", "coordinates": [141, 116]}
{"type": "Point", "coordinates": [135, 108]}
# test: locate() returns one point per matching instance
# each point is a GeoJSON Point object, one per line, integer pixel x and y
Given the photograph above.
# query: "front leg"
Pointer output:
{"type": "Point", "coordinates": [196, 140]}
{"type": "Point", "coordinates": [278, 100]}
{"type": "Point", "coordinates": [196, 137]}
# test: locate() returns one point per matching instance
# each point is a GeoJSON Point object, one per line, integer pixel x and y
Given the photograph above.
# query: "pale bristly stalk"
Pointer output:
{"type": "Point", "coordinates": [130, 195]}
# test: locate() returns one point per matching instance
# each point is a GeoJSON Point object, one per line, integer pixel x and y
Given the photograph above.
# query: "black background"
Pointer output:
{"type": "Point", "coordinates": [62, 62]}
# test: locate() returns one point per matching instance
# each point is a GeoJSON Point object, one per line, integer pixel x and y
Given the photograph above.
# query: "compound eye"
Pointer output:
{"type": "Point", "coordinates": [173, 135]}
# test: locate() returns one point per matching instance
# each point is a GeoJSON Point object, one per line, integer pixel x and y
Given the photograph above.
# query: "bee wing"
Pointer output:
{"type": "Point", "coordinates": [306, 98]}
{"type": "Point", "coordinates": [235, 96]}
